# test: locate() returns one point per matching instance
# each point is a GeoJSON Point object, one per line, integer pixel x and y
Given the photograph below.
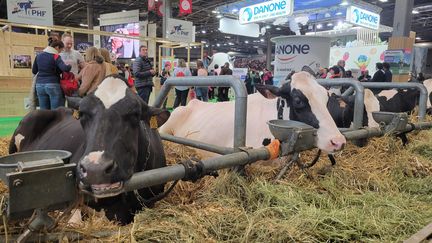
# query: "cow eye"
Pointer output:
{"type": "Point", "coordinates": [298, 103]}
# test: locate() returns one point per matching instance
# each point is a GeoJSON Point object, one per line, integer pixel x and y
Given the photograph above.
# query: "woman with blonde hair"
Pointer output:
{"type": "Point", "coordinates": [93, 73]}
{"type": "Point", "coordinates": [109, 67]}
{"type": "Point", "coordinates": [181, 91]}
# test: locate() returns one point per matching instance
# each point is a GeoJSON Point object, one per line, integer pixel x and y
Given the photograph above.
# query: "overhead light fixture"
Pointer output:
{"type": "Point", "coordinates": [418, 38]}
{"type": "Point", "coordinates": [219, 16]}
{"type": "Point", "coordinates": [383, 1]}
{"type": "Point", "coordinates": [268, 26]}
{"type": "Point", "coordinates": [415, 11]}
{"type": "Point", "coordinates": [246, 42]}
{"type": "Point", "coordinates": [319, 26]}
{"type": "Point", "coordinates": [83, 25]}
{"type": "Point", "coordinates": [329, 24]}
{"type": "Point", "coordinates": [203, 31]}
{"type": "Point", "coordinates": [235, 10]}
{"type": "Point", "coordinates": [218, 44]}
{"type": "Point", "coordinates": [278, 28]}
{"type": "Point", "coordinates": [204, 41]}
{"type": "Point", "coordinates": [215, 11]}
{"type": "Point", "coordinates": [339, 13]}
{"type": "Point", "coordinates": [344, 3]}
{"type": "Point", "coordinates": [262, 40]}
{"type": "Point", "coordinates": [123, 10]}
{"type": "Point", "coordinates": [59, 0]}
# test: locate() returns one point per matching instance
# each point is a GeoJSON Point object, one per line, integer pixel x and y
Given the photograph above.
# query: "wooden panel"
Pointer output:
{"type": "Point", "coordinates": [401, 43]}
{"type": "Point", "coordinates": [15, 84]}
{"type": "Point", "coordinates": [12, 104]}
{"type": "Point", "coordinates": [21, 39]}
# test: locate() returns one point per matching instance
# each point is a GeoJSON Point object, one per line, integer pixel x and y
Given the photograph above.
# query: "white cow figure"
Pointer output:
{"type": "Point", "coordinates": [220, 59]}
{"type": "Point", "coordinates": [213, 123]}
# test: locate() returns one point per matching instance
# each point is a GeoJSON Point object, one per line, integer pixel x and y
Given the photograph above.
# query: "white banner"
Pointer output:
{"type": "Point", "coordinates": [232, 26]}
{"type": "Point", "coordinates": [179, 30]}
{"type": "Point", "coordinates": [240, 73]}
{"type": "Point", "coordinates": [265, 11]}
{"type": "Point", "coordinates": [294, 52]}
{"type": "Point", "coordinates": [126, 17]}
{"type": "Point", "coordinates": [362, 17]}
{"type": "Point", "coordinates": [34, 12]}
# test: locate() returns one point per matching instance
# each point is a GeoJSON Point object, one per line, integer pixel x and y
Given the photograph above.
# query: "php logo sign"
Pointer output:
{"type": "Point", "coordinates": [265, 11]}
{"type": "Point", "coordinates": [362, 17]}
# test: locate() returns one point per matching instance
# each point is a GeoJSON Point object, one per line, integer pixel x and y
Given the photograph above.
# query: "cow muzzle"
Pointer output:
{"type": "Point", "coordinates": [97, 175]}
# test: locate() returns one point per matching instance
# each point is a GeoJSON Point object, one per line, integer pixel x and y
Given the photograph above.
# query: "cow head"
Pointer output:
{"type": "Point", "coordinates": [307, 101]}
{"type": "Point", "coordinates": [115, 120]}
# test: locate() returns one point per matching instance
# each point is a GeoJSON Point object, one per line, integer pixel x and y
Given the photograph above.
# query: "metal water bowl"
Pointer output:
{"type": "Point", "coordinates": [283, 129]}
{"type": "Point", "coordinates": [22, 160]}
{"type": "Point", "coordinates": [382, 116]}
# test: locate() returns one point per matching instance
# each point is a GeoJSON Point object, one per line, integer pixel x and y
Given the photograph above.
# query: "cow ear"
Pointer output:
{"type": "Point", "coordinates": [268, 91]}
{"type": "Point", "coordinates": [161, 115]}
{"type": "Point", "coordinates": [349, 100]}
{"type": "Point", "coordinates": [73, 102]}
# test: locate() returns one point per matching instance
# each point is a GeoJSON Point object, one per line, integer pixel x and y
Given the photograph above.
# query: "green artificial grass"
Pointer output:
{"type": "Point", "coordinates": [8, 125]}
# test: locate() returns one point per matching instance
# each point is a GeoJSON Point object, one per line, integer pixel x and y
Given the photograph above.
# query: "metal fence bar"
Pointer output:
{"type": "Point", "coordinates": [359, 96]}
{"type": "Point", "coordinates": [420, 87]}
{"type": "Point", "coordinates": [216, 81]}
{"type": "Point", "coordinates": [198, 145]}
{"type": "Point", "coordinates": [177, 172]}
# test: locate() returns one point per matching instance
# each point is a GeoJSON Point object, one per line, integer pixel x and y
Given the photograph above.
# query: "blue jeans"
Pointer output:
{"type": "Point", "coordinates": [144, 93]}
{"type": "Point", "coordinates": [202, 93]}
{"type": "Point", "coordinates": [50, 96]}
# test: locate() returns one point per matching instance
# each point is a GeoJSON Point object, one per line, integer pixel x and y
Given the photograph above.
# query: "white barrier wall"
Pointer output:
{"type": "Point", "coordinates": [294, 52]}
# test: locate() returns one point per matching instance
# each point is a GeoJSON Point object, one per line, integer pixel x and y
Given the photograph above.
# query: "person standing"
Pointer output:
{"type": "Point", "coordinates": [165, 74]}
{"type": "Point", "coordinates": [379, 76]}
{"type": "Point", "coordinates": [143, 72]}
{"type": "Point", "coordinates": [48, 65]}
{"type": "Point", "coordinates": [341, 66]}
{"type": "Point", "coordinates": [93, 73]}
{"type": "Point", "coordinates": [223, 91]}
{"type": "Point", "coordinates": [70, 56]}
{"type": "Point", "coordinates": [109, 67]}
{"type": "Point", "coordinates": [201, 92]}
{"type": "Point", "coordinates": [365, 77]}
{"type": "Point", "coordinates": [388, 74]}
{"type": "Point", "coordinates": [181, 91]}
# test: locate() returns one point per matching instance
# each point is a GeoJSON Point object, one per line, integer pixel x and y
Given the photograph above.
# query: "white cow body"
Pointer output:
{"type": "Point", "coordinates": [220, 59]}
{"type": "Point", "coordinates": [214, 123]}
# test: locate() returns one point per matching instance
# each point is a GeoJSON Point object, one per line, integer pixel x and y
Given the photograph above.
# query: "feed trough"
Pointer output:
{"type": "Point", "coordinates": [393, 122]}
{"type": "Point", "coordinates": [294, 135]}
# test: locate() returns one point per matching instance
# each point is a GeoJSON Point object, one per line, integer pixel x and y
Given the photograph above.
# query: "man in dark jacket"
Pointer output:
{"type": "Point", "coordinates": [387, 72]}
{"type": "Point", "coordinates": [223, 91]}
{"type": "Point", "coordinates": [143, 72]}
{"type": "Point", "coordinates": [379, 76]}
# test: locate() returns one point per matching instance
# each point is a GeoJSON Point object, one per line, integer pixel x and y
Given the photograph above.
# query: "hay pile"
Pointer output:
{"type": "Point", "coordinates": [381, 192]}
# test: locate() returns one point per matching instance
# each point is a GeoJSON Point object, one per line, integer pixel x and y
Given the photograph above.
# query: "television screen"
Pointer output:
{"type": "Point", "coordinates": [118, 46]}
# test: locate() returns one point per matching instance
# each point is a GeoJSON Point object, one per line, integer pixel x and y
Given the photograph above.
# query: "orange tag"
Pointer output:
{"type": "Point", "coordinates": [273, 149]}
{"type": "Point", "coordinates": [76, 114]}
{"type": "Point", "coordinates": [153, 122]}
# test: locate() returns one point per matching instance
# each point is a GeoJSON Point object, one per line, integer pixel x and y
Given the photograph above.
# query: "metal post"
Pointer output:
{"type": "Point", "coordinates": [402, 18]}
{"type": "Point", "coordinates": [359, 96]}
{"type": "Point", "coordinates": [239, 88]}
{"type": "Point", "coordinates": [90, 19]}
{"type": "Point", "coordinates": [423, 92]}
{"type": "Point", "coordinates": [198, 145]}
{"type": "Point", "coordinates": [167, 14]}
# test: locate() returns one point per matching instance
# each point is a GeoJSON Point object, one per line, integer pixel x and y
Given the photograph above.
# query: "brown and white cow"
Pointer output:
{"type": "Point", "coordinates": [214, 123]}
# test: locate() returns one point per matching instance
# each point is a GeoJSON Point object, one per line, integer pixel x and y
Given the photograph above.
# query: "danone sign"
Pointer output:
{"type": "Point", "coordinates": [363, 17]}
{"type": "Point", "coordinates": [35, 12]}
{"type": "Point", "coordinates": [179, 30]}
{"type": "Point", "coordinates": [292, 53]}
{"type": "Point", "coordinates": [266, 10]}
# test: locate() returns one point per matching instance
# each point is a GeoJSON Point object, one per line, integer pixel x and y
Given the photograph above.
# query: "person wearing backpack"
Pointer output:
{"type": "Point", "coordinates": [181, 91]}
{"type": "Point", "coordinates": [48, 66]}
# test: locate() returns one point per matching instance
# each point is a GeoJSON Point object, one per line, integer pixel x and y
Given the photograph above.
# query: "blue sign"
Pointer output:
{"type": "Point", "coordinates": [362, 17]}
{"type": "Point", "coordinates": [265, 11]}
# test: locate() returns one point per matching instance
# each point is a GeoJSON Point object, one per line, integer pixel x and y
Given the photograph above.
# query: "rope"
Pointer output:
{"type": "Point", "coordinates": [402, 135]}
{"type": "Point", "coordinates": [144, 202]}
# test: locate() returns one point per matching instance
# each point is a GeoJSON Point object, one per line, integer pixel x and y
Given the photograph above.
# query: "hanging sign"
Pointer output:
{"type": "Point", "coordinates": [151, 5]}
{"type": "Point", "coordinates": [364, 18]}
{"type": "Point", "coordinates": [185, 7]}
{"type": "Point", "coordinates": [265, 11]}
{"type": "Point", "coordinates": [179, 30]}
{"type": "Point", "coordinates": [35, 12]}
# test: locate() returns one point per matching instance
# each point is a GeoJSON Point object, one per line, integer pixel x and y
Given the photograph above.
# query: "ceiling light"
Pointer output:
{"type": "Point", "coordinates": [383, 1]}
{"type": "Point", "coordinates": [339, 13]}
{"type": "Point", "coordinates": [246, 42]}
{"type": "Point", "coordinates": [344, 3]}
{"type": "Point", "coordinates": [203, 31]}
{"type": "Point", "coordinates": [234, 10]}
{"type": "Point", "coordinates": [207, 45]}
{"type": "Point", "coordinates": [319, 26]}
{"type": "Point", "coordinates": [218, 44]}
{"type": "Point", "coordinates": [83, 25]}
{"type": "Point", "coordinates": [278, 28]}
{"type": "Point", "coordinates": [59, 0]}
{"type": "Point", "coordinates": [219, 16]}
{"type": "Point", "coordinates": [268, 26]}
{"type": "Point", "coordinates": [329, 24]}
{"type": "Point", "coordinates": [215, 11]}
{"type": "Point", "coordinates": [415, 11]}
{"type": "Point", "coordinates": [123, 10]}
{"type": "Point", "coordinates": [418, 38]}
{"type": "Point", "coordinates": [203, 41]}
{"type": "Point", "coordinates": [262, 40]}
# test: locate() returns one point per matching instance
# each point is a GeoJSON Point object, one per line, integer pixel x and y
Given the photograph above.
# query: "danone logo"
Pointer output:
{"type": "Point", "coordinates": [28, 7]}
{"type": "Point", "coordinates": [288, 52]}
{"type": "Point", "coordinates": [363, 17]}
{"type": "Point", "coordinates": [264, 11]}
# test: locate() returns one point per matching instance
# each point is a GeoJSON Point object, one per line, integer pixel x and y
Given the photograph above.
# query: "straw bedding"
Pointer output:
{"type": "Point", "coordinates": [381, 192]}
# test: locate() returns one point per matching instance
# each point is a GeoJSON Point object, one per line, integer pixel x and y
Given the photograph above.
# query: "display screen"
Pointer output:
{"type": "Point", "coordinates": [118, 46]}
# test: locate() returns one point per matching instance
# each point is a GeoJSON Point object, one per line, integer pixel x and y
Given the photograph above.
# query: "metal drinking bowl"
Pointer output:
{"type": "Point", "coordinates": [282, 129]}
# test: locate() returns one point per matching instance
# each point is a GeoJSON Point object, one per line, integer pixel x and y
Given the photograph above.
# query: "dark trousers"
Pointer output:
{"type": "Point", "coordinates": [223, 94]}
{"type": "Point", "coordinates": [211, 92]}
{"type": "Point", "coordinates": [181, 97]}
{"type": "Point", "coordinates": [144, 92]}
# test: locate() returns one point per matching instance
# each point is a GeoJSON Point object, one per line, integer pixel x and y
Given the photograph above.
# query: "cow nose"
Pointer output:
{"type": "Point", "coordinates": [338, 143]}
{"type": "Point", "coordinates": [95, 173]}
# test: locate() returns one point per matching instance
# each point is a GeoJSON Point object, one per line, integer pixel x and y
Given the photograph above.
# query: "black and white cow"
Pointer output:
{"type": "Point", "coordinates": [111, 140]}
